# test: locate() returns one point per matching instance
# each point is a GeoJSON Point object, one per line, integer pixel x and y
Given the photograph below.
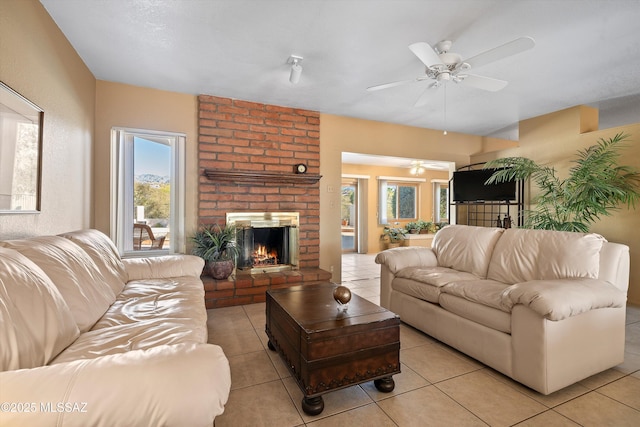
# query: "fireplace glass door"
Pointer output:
{"type": "Point", "coordinates": [267, 241]}
{"type": "Point", "coordinates": [264, 247]}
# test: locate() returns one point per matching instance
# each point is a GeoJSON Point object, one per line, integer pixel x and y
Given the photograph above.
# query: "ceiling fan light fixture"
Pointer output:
{"type": "Point", "coordinates": [443, 46]}
{"type": "Point", "coordinates": [296, 68]}
{"type": "Point", "coordinates": [443, 76]}
{"type": "Point", "coordinates": [450, 59]}
{"type": "Point", "coordinates": [417, 168]}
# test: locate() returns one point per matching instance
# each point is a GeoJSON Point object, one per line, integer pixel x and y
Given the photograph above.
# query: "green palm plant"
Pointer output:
{"type": "Point", "coordinates": [595, 187]}
{"type": "Point", "coordinates": [214, 243]}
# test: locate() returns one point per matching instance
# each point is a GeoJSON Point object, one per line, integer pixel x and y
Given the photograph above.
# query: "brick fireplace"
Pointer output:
{"type": "Point", "coordinates": [247, 154]}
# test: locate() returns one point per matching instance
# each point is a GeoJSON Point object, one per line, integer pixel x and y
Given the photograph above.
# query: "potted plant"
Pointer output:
{"type": "Point", "coordinates": [596, 185]}
{"type": "Point", "coordinates": [412, 227]}
{"type": "Point", "coordinates": [217, 246]}
{"type": "Point", "coordinates": [426, 227]}
{"type": "Point", "coordinates": [393, 236]}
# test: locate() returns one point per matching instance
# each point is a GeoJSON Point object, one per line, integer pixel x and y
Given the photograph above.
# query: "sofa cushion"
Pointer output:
{"type": "Point", "coordinates": [523, 255]}
{"type": "Point", "coordinates": [157, 298]}
{"type": "Point", "coordinates": [466, 248]}
{"type": "Point", "coordinates": [147, 313]}
{"type": "Point", "coordinates": [140, 335]}
{"type": "Point", "coordinates": [559, 299]}
{"type": "Point", "coordinates": [73, 272]}
{"type": "Point", "coordinates": [425, 283]}
{"type": "Point", "coordinates": [434, 276]}
{"type": "Point", "coordinates": [104, 253]}
{"type": "Point", "coordinates": [486, 292]}
{"type": "Point", "coordinates": [479, 313]}
{"type": "Point", "coordinates": [416, 289]}
{"type": "Point", "coordinates": [35, 322]}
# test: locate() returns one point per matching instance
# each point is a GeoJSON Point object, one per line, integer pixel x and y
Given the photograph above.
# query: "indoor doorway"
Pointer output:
{"type": "Point", "coordinates": [349, 215]}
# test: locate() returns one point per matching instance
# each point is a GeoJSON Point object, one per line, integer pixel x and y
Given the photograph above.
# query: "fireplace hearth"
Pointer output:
{"type": "Point", "coordinates": [268, 241]}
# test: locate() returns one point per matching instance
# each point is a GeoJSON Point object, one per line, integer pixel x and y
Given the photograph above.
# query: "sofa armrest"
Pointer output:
{"type": "Point", "coordinates": [163, 267]}
{"type": "Point", "coordinates": [169, 385]}
{"type": "Point", "coordinates": [563, 298]}
{"type": "Point", "coordinates": [393, 260]}
{"type": "Point", "coordinates": [397, 259]}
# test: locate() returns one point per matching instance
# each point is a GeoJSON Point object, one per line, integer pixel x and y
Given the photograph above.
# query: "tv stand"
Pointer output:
{"type": "Point", "coordinates": [485, 213]}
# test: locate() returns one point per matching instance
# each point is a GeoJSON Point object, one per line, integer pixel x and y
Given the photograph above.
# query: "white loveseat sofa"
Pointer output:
{"type": "Point", "coordinates": [545, 308]}
{"type": "Point", "coordinates": [90, 339]}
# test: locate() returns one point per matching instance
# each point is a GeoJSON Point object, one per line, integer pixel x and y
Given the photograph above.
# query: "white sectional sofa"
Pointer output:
{"type": "Point", "coordinates": [90, 339]}
{"type": "Point", "coordinates": [545, 308]}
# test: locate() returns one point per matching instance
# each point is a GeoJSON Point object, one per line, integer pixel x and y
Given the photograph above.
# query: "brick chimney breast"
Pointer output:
{"type": "Point", "coordinates": [235, 135]}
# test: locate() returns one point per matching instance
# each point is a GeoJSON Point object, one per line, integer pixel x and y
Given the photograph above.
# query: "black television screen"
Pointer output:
{"type": "Point", "coordinates": [468, 186]}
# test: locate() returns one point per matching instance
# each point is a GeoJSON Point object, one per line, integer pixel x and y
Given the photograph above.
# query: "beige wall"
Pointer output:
{"type": "Point", "coordinates": [425, 208]}
{"type": "Point", "coordinates": [338, 134]}
{"type": "Point", "coordinates": [37, 61]}
{"type": "Point", "coordinates": [120, 105]}
{"type": "Point", "coordinates": [554, 139]}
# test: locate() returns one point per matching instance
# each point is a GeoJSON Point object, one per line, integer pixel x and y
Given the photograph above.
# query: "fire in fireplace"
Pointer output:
{"type": "Point", "coordinates": [262, 256]}
{"type": "Point", "coordinates": [268, 241]}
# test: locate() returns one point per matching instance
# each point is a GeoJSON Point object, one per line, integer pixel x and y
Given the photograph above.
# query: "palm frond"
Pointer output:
{"type": "Point", "coordinates": [215, 243]}
{"type": "Point", "coordinates": [595, 187]}
{"type": "Point", "coordinates": [511, 169]}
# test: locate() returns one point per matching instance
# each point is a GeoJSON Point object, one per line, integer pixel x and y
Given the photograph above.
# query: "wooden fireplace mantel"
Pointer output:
{"type": "Point", "coordinates": [261, 177]}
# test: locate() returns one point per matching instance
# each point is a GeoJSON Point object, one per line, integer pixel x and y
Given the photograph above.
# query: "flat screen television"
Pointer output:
{"type": "Point", "coordinates": [468, 186]}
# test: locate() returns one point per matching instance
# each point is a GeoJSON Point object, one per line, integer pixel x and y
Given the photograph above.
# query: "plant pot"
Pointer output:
{"type": "Point", "coordinates": [413, 231]}
{"type": "Point", "coordinates": [220, 270]}
{"type": "Point", "coordinates": [391, 245]}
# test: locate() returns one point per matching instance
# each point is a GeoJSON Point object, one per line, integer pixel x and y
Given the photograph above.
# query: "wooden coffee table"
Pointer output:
{"type": "Point", "coordinates": [326, 348]}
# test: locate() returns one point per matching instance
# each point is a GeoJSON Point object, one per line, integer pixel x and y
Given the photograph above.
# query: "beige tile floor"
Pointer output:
{"type": "Point", "coordinates": [438, 386]}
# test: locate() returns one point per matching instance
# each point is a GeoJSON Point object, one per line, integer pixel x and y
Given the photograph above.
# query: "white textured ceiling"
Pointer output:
{"type": "Point", "coordinates": [587, 52]}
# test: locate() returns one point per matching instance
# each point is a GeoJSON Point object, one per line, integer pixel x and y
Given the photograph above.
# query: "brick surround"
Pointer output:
{"type": "Point", "coordinates": [246, 136]}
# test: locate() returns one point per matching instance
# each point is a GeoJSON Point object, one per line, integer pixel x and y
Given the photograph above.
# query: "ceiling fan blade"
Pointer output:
{"type": "Point", "coordinates": [497, 53]}
{"type": "Point", "coordinates": [392, 84]}
{"type": "Point", "coordinates": [426, 95]}
{"type": "Point", "coordinates": [425, 53]}
{"type": "Point", "coordinates": [484, 83]}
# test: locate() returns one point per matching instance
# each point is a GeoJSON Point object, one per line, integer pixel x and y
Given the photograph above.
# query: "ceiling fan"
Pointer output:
{"type": "Point", "coordinates": [443, 66]}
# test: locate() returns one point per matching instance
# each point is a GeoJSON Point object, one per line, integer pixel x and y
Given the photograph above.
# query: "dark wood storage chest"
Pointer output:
{"type": "Point", "coordinates": [327, 348]}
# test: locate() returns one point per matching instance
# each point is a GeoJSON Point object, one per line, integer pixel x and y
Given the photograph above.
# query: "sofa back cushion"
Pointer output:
{"type": "Point", "coordinates": [35, 322]}
{"type": "Point", "coordinates": [73, 272]}
{"type": "Point", "coordinates": [522, 255]}
{"type": "Point", "coordinates": [104, 253]}
{"type": "Point", "coordinates": [466, 248]}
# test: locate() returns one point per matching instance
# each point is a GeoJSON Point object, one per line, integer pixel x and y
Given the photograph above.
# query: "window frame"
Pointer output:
{"type": "Point", "coordinates": [384, 183]}
{"type": "Point", "coordinates": [438, 185]}
{"type": "Point", "coordinates": [122, 187]}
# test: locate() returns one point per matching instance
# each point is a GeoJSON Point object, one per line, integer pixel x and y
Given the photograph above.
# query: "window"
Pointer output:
{"type": "Point", "coordinates": [398, 201]}
{"type": "Point", "coordinates": [440, 201]}
{"type": "Point", "coordinates": [147, 198]}
{"type": "Point", "coordinates": [349, 215]}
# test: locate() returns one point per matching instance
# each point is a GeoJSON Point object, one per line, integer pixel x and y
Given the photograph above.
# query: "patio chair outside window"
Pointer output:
{"type": "Point", "coordinates": [143, 238]}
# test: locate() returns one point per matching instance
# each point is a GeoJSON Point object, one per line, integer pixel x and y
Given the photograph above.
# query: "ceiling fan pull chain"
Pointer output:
{"type": "Point", "coordinates": [445, 109]}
